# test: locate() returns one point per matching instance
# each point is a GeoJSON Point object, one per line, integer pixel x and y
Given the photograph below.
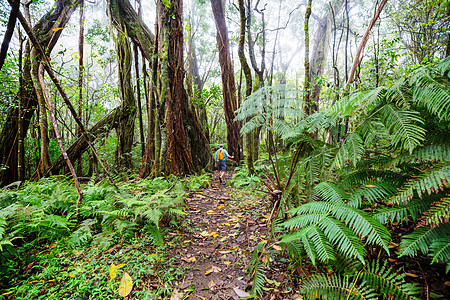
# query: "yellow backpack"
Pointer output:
{"type": "Point", "coordinates": [220, 154]}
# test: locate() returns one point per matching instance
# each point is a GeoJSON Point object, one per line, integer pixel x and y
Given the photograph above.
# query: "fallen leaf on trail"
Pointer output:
{"type": "Point", "coordinates": [224, 252]}
{"type": "Point", "coordinates": [241, 293]}
{"type": "Point", "coordinates": [204, 233]}
{"type": "Point", "coordinates": [190, 260]}
{"type": "Point", "coordinates": [56, 29]}
{"type": "Point", "coordinates": [211, 284]}
{"type": "Point", "coordinates": [276, 247]}
{"type": "Point", "coordinates": [171, 233]}
{"type": "Point", "coordinates": [212, 269]}
{"type": "Point", "coordinates": [126, 285]}
{"type": "Point", "coordinates": [225, 224]}
{"type": "Point", "coordinates": [213, 234]}
{"type": "Point", "coordinates": [220, 206]}
{"type": "Point", "coordinates": [210, 212]}
{"type": "Point", "coordinates": [175, 295]}
{"type": "Point", "coordinates": [113, 270]}
{"type": "Point", "coordinates": [187, 241]}
{"type": "Point", "coordinates": [227, 263]}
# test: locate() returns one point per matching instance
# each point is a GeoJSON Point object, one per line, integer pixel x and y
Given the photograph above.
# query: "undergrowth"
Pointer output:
{"type": "Point", "coordinates": [46, 254]}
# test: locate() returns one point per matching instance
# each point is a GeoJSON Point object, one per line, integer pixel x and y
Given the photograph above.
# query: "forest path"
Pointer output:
{"type": "Point", "coordinates": [215, 250]}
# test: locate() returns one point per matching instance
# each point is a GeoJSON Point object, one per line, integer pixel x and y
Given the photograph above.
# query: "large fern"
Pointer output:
{"type": "Point", "coordinates": [373, 281]}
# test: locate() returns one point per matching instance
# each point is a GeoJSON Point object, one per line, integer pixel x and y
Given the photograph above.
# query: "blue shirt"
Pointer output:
{"type": "Point", "coordinates": [225, 154]}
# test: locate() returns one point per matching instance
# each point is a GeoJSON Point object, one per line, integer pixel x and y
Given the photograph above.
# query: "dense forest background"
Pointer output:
{"type": "Point", "coordinates": [338, 111]}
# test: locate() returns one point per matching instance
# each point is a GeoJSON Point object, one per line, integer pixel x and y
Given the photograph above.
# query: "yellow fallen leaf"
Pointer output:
{"type": "Point", "coordinates": [204, 233]}
{"type": "Point", "coordinates": [213, 234]}
{"type": "Point", "coordinates": [113, 270]}
{"type": "Point", "coordinates": [227, 263]}
{"type": "Point", "coordinates": [276, 247]}
{"type": "Point", "coordinates": [154, 254]}
{"type": "Point", "coordinates": [56, 29]}
{"type": "Point", "coordinates": [191, 259]}
{"type": "Point", "coordinates": [210, 212]}
{"type": "Point", "coordinates": [225, 224]}
{"type": "Point", "coordinates": [372, 186]}
{"type": "Point", "coordinates": [126, 285]}
{"type": "Point", "coordinates": [220, 206]}
{"type": "Point", "coordinates": [212, 269]}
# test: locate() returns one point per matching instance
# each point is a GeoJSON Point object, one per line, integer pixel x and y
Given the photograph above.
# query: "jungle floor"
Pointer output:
{"type": "Point", "coordinates": [226, 225]}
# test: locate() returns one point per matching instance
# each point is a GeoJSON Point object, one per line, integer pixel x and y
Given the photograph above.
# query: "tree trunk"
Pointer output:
{"type": "Point", "coordinates": [248, 83]}
{"type": "Point", "coordinates": [308, 106]}
{"type": "Point", "coordinates": [80, 77]}
{"type": "Point", "coordinates": [187, 146]}
{"type": "Point", "coordinates": [100, 129]}
{"type": "Point", "coordinates": [44, 162]}
{"type": "Point", "coordinates": [228, 84]}
{"type": "Point", "coordinates": [15, 4]}
{"type": "Point", "coordinates": [58, 16]}
{"type": "Point", "coordinates": [138, 91]}
{"type": "Point", "coordinates": [364, 40]}
{"type": "Point", "coordinates": [125, 130]}
{"type": "Point", "coordinates": [319, 53]}
{"type": "Point", "coordinates": [151, 159]}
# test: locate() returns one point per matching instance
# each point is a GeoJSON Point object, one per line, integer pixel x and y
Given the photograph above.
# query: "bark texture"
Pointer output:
{"type": "Point", "coordinates": [58, 16]}
{"type": "Point", "coordinates": [125, 130]}
{"type": "Point", "coordinates": [15, 4]}
{"type": "Point", "coordinates": [248, 83]}
{"type": "Point", "coordinates": [187, 145]}
{"type": "Point", "coordinates": [229, 88]}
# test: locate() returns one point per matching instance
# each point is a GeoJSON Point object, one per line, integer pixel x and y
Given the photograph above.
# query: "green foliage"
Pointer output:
{"type": "Point", "coordinates": [43, 213]}
{"type": "Point", "coordinates": [373, 281]}
{"type": "Point", "coordinates": [332, 226]}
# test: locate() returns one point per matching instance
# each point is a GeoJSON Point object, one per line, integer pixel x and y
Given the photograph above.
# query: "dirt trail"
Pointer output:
{"type": "Point", "coordinates": [218, 246]}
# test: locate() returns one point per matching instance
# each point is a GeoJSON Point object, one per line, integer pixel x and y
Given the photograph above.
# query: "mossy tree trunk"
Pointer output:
{"type": "Point", "coordinates": [249, 149]}
{"type": "Point", "coordinates": [228, 84]}
{"type": "Point", "coordinates": [58, 16]}
{"type": "Point", "coordinates": [125, 130]}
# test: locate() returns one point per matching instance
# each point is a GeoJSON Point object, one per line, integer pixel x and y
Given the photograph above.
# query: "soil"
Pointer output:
{"type": "Point", "coordinates": [217, 246]}
{"type": "Point", "coordinates": [225, 227]}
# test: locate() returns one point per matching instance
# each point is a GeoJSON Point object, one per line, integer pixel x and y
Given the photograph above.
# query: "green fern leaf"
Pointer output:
{"type": "Point", "coordinates": [430, 181]}
{"type": "Point", "coordinates": [421, 239]}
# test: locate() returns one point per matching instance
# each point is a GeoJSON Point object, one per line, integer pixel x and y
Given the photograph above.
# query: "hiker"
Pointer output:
{"type": "Point", "coordinates": [220, 157]}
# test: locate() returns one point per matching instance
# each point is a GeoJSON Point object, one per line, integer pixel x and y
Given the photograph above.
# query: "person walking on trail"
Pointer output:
{"type": "Point", "coordinates": [220, 159]}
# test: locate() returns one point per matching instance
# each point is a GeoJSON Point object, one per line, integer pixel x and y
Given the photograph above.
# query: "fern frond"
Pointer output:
{"type": "Point", "coordinates": [351, 151]}
{"type": "Point", "coordinates": [371, 191]}
{"type": "Point", "coordinates": [400, 213]}
{"type": "Point", "coordinates": [430, 181]}
{"type": "Point", "coordinates": [439, 213]}
{"type": "Point", "coordinates": [402, 125]}
{"type": "Point", "coordinates": [431, 93]}
{"type": "Point", "coordinates": [343, 237]}
{"type": "Point", "coordinates": [388, 284]}
{"type": "Point", "coordinates": [259, 279]}
{"type": "Point", "coordinates": [335, 287]}
{"type": "Point", "coordinates": [440, 250]}
{"type": "Point", "coordinates": [322, 246]}
{"type": "Point", "coordinates": [421, 239]}
{"type": "Point", "coordinates": [364, 225]}
{"type": "Point", "coordinates": [429, 153]}
{"type": "Point", "coordinates": [330, 192]}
